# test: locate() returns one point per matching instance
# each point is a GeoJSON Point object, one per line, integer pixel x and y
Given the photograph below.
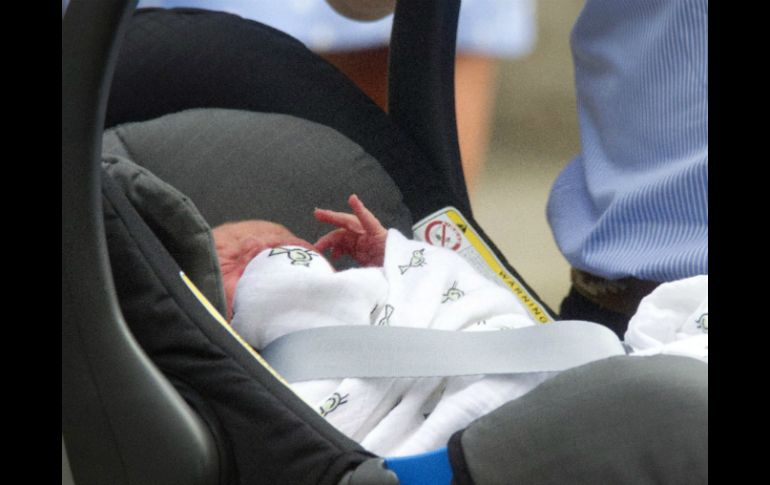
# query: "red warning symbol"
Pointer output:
{"type": "Point", "coordinates": [443, 234]}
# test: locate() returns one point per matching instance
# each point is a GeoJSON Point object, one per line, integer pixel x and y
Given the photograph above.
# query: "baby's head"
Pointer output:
{"type": "Point", "coordinates": [237, 243]}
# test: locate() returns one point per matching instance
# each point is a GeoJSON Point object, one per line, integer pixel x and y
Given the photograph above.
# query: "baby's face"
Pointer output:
{"type": "Point", "coordinates": [237, 243]}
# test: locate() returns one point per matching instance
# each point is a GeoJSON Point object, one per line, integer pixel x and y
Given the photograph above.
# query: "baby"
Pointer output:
{"type": "Point", "coordinates": [359, 235]}
{"type": "Point", "coordinates": [276, 283]}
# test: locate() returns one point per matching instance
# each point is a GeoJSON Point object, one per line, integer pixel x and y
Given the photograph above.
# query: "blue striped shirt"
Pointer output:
{"type": "Point", "coordinates": [634, 202]}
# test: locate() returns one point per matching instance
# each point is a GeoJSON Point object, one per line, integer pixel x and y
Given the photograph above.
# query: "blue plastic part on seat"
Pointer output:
{"type": "Point", "coordinates": [430, 468]}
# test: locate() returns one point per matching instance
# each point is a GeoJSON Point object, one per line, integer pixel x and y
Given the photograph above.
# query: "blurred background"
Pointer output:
{"type": "Point", "coordinates": [533, 135]}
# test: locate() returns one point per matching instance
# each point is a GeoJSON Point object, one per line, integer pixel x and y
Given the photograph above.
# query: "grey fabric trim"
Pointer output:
{"type": "Point", "coordinates": [175, 220]}
{"type": "Point", "coordinates": [623, 420]}
{"type": "Point", "coordinates": [382, 351]}
{"type": "Point", "coordinates": [113, 145]}
{"type": "Point", "coordinates": [240, 165]}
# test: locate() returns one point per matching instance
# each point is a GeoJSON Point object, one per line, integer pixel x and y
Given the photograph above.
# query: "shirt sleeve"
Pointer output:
{"type": "Point", "coordinates": [634, 202]}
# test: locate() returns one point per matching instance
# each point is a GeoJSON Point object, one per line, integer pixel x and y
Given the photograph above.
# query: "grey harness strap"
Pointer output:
{"type": "Point", "coordinates": [381, 351]}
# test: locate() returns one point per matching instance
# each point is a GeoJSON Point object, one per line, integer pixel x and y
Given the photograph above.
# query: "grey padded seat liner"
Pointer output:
{"type": "Point", "coordinates": [649, 425]}
{"type": "Point", "coordinates": [175, 220]}
{"type": "Point", "coordinates": [239, 165]}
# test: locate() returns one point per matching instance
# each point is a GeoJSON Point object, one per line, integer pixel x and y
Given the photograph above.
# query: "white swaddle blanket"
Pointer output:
{"type": "Point", "coordinates": [287, 289]}
{"type": "Point", "coordinates": [673, 320]}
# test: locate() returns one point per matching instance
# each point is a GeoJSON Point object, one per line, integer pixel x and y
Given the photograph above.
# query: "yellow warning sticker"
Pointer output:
{"type": "Point", "coordinates": [449, 229]}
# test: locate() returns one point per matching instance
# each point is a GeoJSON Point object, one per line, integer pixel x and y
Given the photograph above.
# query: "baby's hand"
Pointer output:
{"type": "Point", "coordinates": [360, 235]}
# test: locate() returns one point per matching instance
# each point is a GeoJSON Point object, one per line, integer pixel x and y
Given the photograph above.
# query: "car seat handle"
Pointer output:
{"type": "Point", "coordinates": [421, 93]}
{"type": "Point", "coordinates": [122, 421]}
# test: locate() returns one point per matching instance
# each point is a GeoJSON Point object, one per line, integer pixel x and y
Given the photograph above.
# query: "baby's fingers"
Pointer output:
{"type": "Point", "coordinates": [329, 240]}
{"type": "Point", "coordinates": [337, 253]}
{"type": "Point", "coordinates": [340, 241]}
{"type": "Point", "coordinates": [368, 221]}
{"type": "Point", "coordinates": [339, 219]}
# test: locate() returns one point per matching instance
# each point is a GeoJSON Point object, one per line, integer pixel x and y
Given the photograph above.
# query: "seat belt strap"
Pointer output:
{"type": "Point", "coordinates": [382, 351]}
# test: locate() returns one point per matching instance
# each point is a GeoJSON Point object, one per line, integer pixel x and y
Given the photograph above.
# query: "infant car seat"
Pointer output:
{"type": "Point", "coordinates": [155, 386]}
